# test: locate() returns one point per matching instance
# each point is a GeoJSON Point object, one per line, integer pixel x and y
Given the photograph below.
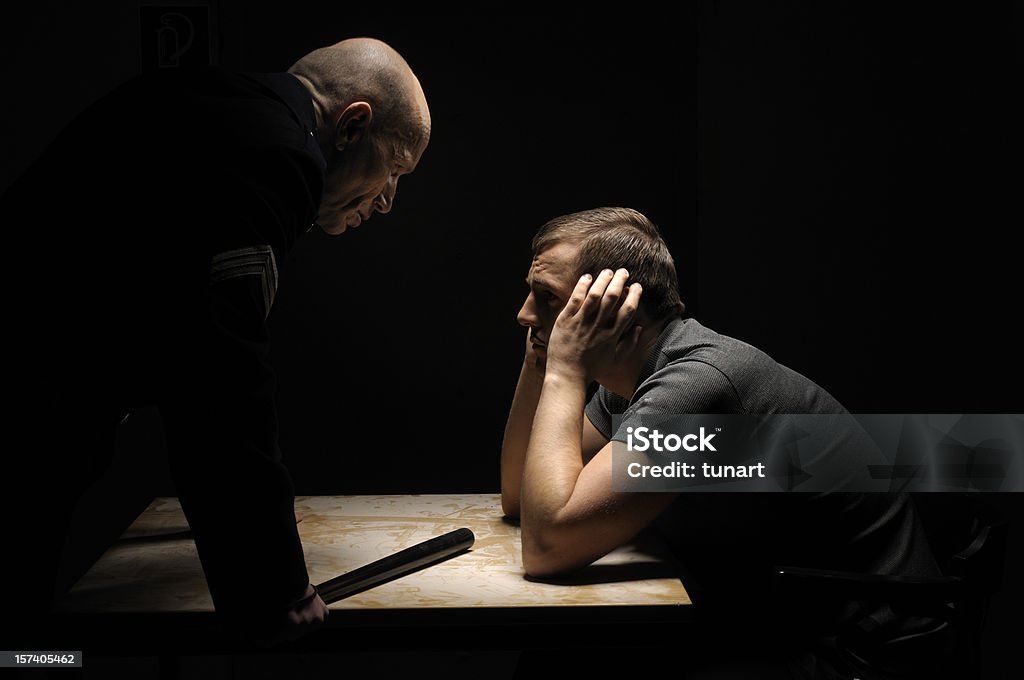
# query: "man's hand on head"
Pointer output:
{"type": "Point", "coordinates": [595, 327]}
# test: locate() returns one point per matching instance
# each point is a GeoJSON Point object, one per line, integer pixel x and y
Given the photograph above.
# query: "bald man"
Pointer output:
{"type": "Point", "coordinates": [146, 246]}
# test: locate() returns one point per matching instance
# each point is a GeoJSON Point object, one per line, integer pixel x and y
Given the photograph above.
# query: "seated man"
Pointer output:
{"type": "Point", "coordinates": [603, 306]}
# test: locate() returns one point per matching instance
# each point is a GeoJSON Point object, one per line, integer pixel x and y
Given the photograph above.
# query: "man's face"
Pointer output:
{"type": "Point", "coordinates": [363, 180]}
{"type": "Point", "coordinates": [551, 280]}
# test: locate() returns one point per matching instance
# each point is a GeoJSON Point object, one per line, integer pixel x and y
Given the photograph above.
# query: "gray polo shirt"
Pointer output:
{"type": "Point", "coordinates": [729, 544]}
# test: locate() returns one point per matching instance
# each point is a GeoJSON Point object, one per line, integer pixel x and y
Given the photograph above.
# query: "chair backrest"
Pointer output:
{"type": "Point", "coordinates": [969, 539]}
{"type": "Point", "coordinates": [967, 536]}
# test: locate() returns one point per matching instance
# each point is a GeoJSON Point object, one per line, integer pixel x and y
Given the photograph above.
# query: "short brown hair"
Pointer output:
{"type": "Point", "coordinates": [610, 238]}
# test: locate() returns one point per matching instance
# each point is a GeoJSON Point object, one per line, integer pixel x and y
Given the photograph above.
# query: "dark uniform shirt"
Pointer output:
{"type": "Point", "coordinates": [147, 244]}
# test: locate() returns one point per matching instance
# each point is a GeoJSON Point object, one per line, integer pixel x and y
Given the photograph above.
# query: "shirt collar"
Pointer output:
{"type": "Point", "coordinates": [296, 97]}
{"type": "Point", "coordinates": [655, 360]}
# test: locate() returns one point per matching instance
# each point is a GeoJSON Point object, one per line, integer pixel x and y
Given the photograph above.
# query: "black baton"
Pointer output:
{"type": "Point", "coordinates": [392, 566]}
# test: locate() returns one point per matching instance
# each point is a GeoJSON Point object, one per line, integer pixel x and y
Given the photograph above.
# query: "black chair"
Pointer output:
{"type": "Point", "coordinates": [946, 612]}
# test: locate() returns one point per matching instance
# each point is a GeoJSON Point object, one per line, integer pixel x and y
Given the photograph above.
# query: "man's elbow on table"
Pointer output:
{"type": "Point", "coordinates": [545, 556]}
{"type": "Point", "coordinates": [510, 505]}
{"type": "Point", "coordinates": [550, 563]}
{"type": "Point", "coordinates": [541, 565]}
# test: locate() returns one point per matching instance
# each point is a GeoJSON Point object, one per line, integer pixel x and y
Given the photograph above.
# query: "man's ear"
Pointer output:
{"type": "Point", "coordinates": [352, 124]}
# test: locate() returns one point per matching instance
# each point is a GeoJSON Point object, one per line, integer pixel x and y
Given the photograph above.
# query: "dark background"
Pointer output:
{"type": "Point", "coordinates": [839, 186]}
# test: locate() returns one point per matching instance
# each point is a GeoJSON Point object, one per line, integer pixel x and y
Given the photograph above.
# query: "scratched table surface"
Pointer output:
{"type": "Point", "coordinates": [154, 567]}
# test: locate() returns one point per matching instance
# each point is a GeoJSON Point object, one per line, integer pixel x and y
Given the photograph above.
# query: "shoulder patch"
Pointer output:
{"type": "Point", "coordinates": [253, 261]}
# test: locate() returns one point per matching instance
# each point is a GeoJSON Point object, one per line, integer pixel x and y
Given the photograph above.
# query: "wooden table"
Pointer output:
{"type": "Point", "coordinates": [153, 575]}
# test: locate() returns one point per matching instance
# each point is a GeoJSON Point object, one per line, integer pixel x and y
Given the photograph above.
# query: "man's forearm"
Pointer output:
{"type": "Point", "coordinates": [553, 459]}
{"type": "Point", "coordinates": [517, 435]}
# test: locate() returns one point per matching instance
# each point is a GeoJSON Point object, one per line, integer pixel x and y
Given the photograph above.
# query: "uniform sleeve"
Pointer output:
{"type": "Point", "coordinates": [685, 386]}
{"type": "Point", "coordinates": [221, 430]}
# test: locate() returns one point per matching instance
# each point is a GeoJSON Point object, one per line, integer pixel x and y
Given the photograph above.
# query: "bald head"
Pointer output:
{"type": "Point", "coordinates": [364, 69]}
{"type": "Point", "coordinates": [372, 123]}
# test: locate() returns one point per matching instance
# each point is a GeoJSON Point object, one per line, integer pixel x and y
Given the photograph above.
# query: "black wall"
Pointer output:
{"type": "Point", "coordinates": [406, 327]}
{"type": "Point", "coordinates": [839, 186]}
